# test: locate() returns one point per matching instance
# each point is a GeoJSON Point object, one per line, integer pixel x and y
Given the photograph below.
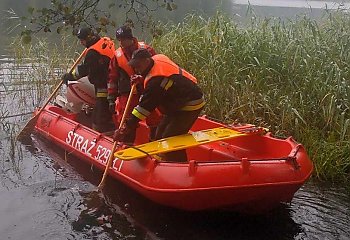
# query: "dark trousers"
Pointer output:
{"type": "Point", "coordinates": [101, 116]}
{"type": "Point", "coordinates": [173, 125]}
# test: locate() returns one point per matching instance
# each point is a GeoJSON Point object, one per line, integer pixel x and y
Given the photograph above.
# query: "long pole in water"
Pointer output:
{"type": "Point", "coordinates": [115, 144]}
{"type": "Point", "coordinates": [31, 123]}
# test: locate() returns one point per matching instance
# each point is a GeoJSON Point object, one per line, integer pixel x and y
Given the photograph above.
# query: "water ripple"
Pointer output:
{"type": "Point", "coordinates": [323, 212]}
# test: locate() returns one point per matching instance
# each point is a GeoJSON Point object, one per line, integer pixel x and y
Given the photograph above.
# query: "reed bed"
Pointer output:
{"type": "Point", "coordinates": [26, 81]}
{"type": "Point", "coordinates": [37, 68]}
{"type": "Point", "coordinates": [290, 76]}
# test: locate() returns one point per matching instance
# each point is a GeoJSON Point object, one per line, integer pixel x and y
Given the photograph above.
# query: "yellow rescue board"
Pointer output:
{"type": "Point", "coordinates": [178, 142]}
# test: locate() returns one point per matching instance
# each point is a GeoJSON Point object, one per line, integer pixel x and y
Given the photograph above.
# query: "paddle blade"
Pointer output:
{"type": "Point", "coordinates": [28, 128]}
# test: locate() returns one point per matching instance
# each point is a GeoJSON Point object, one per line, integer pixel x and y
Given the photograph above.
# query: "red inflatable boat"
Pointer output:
{"type": "Point", "coordinates": [253, 173]}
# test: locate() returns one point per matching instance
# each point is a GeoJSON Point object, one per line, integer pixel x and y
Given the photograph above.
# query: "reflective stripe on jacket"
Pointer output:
{"type": "Point", "coordinates": [101, 92]}
{"type": "Point", "coordinates": [168, 88]}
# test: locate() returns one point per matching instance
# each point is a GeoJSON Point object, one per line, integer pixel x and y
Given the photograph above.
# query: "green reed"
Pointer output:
{"type": "Point", "coordinates": [290, 76]}
{"type": "Point", "coordinates": [27, 80]}
{"type": "Point", "coordinates": [38, 67]}
{"type": "Point", "coordinates": [26, 83]}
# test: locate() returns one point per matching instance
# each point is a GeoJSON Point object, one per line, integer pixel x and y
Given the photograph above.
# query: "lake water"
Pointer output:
{"type": "Point", "coordinates": [47, 196]}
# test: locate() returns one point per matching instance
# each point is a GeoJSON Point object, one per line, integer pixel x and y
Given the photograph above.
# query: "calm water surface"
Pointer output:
{"type": "Point", "coordinates": [45, 195]}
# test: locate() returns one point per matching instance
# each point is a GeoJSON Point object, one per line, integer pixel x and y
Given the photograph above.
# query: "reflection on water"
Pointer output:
{"type": "Point", "coordinates": [323, 211]}
{"type": "Point", "coordinates": [48, 199]}
{"type": "Point", "coordinates": [39, 212]}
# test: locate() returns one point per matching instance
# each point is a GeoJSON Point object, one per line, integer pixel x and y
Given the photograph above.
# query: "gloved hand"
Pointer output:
{"type": "Point", "coordinates": [67, 77]}
{"type": "Point", "coordinates": [136, 79]}
{"type": "Point", "coordinates": [120, 134]}
{"type": "Point", "coordinates": [111, 107]}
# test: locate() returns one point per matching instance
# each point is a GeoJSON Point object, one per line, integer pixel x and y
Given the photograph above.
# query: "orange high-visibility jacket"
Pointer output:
{"type": "Point", "coordinates": [123, 61]}
{"type": "Point", "coordinates": [104, 46]}
{"type": "Point", "coordinates": [163, 66]}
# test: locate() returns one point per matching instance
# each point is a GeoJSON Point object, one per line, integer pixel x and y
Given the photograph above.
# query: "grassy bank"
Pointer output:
{"type": "Point", "coordinates": [292, 77]}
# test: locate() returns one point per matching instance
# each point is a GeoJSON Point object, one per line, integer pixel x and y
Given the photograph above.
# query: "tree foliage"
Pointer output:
{"type": "Point", "coordinates": [63, 15]}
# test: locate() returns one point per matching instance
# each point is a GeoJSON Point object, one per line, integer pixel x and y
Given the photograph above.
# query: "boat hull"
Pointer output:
{"type": "Point", "coordinates": [251, 174]}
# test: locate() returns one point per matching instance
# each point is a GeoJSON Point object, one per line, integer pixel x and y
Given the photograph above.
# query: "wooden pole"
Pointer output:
{"type": "Point", "coordinates": [27, 129]}
{"type": "Point", "coordinates": [115, 144]}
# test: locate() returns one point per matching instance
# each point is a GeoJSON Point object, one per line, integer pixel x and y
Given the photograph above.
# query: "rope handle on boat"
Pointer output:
{"type": "Point", "coordinates": [140, 150]}
{"type": "Point", "coordinates": [292, 157]}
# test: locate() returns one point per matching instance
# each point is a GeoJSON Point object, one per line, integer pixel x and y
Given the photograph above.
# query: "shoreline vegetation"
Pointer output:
{"type": "Point", "coordinates": [289, 76]}
{"type": "Point", "coordinates": [292, 77]}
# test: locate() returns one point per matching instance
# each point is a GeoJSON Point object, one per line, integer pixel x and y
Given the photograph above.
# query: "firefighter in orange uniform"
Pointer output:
{"type": "Point", "coordinates": [119, 78]}
{"type": "Point", "coordinates": [95, 66]}
{"type": "Point", "coordinates": [169, 88]}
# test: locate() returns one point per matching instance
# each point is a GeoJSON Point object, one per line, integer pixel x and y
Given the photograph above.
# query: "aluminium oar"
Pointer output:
{"type": "Point", "coordinates": [115, 144]}
{"type": "Point", "coordinates": [31, 123]}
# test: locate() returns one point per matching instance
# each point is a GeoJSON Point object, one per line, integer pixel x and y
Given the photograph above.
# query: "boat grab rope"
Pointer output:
{"type": "Point", "coordinates": [140, 150]}
{"type": "Point", "coordinates": [292, 158]}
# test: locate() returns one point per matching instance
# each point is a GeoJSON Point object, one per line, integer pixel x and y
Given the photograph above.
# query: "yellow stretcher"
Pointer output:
{"type": "Point", "coordinates": [179, 142]}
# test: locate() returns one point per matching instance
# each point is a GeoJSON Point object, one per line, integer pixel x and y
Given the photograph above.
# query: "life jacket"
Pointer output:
{"type": "Point", "coordinates": [104, 46]}
{"type": "Point", "coordinates": [163, 66]}
{"type": "Point", "coordinates": [166, 68]}
{"type": "Point", "coordinates": [123, 61]}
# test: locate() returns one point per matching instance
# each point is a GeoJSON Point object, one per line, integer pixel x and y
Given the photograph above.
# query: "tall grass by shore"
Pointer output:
{"type": "Point", "coordinates": [290, 76]}
{"type": "Point", "coordinates": [37, 68]}
{"type": "Point", "coordinates": [27, 80]}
